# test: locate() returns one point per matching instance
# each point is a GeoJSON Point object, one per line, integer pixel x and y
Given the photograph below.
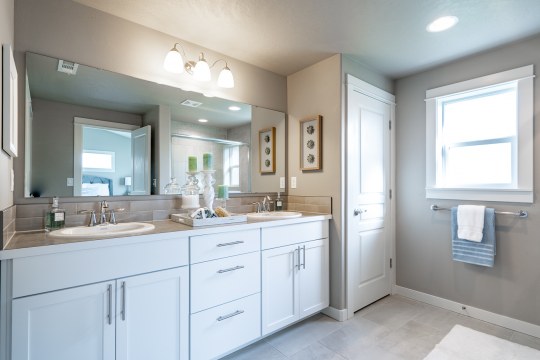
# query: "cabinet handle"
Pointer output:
{"type": "Point", "coordinates": [230, 243]}
{"type": "Point", "coordinates": [123, 301]}
{"type": "Point", "coordinates": [237, 312]}
{"type": "Point", "coordinates": [109, 300]}
{"type": "Point", "coordinates": [230, 269]}
{"type": "Point", "coordinates": [304, 262]}
{"type": "Point", "coordinates": [298, 264]}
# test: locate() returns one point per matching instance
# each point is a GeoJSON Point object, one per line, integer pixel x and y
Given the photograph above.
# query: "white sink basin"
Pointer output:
{"type": "Point", "coordinates": [100, 231]}
{"type": "Point", "coordinates": [273, 215]}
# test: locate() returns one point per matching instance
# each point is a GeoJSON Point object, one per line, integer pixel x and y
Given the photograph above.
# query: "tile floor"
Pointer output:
{"type": "Point", "coordinates": [392, 328]}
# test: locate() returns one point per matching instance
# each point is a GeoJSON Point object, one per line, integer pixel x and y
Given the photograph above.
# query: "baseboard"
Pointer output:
{"type": "Point", "coordinates": [339, 315]}
{"type": "Point", "coordinates": [497, 319]}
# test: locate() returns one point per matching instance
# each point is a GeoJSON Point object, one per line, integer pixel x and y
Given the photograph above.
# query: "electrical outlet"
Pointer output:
{"type": "Point", "coordinates": [293, 182]}
{"type": "Point", "coordinates": [282, 182]}
{"type": "Point", "coordinates": [69, 182]}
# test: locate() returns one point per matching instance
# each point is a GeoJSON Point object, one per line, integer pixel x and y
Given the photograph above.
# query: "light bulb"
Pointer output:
{"type": "Point", "coordinates": [202, 70]}
{"type": "Point", "coordinates": [173, 61]}
{"type": "Point", "coordinates": [225, 79]}
{"type": "Point", "coordinates": [442, 23]}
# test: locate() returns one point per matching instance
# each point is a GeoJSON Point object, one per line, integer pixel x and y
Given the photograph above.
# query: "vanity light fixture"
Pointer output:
{"type": "Point", "coordinates": [200, 70]}
{"type": "Point", "coordinates": [441, 24]}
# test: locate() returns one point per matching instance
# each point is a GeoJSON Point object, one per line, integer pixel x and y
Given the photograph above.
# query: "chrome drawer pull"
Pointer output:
{"type": "Point", "coordinates": [230, 243]}
{"type": "Point", "coordinates": [230, 269]}
{"type": "Point", "coordinates": [109, 303]}
{"type": "Point", "coordinates": [237, 312]}
{"type": "Point", "coordinates": [123, 301]}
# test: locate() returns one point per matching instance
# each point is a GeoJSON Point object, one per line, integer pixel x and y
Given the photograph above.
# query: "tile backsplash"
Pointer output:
{"type": "Point", "coordinates": [30, 216]}
{"type": "Point", "coordinates": [7, 224]}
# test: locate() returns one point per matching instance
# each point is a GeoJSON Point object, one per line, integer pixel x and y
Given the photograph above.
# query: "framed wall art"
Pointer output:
{"type": "Point", "coordinates": [267, 151]}
{"type": "Point", "coordinates": [311, 144]}
{"type": "Point", "coordinates": [9, 101]}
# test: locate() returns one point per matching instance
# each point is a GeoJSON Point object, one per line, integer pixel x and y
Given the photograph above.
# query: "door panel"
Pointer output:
{"type": "Point", "coordinates": [152, 316]}
{"type": "Point", "coordinates": [65, 324]}
{"type": "Point", "coordinates": [313, 277]}
{"type": "Point", "coordinates": [368, 174]}
{"type": "Point", "coordinates": [140, 151]}
{"type": "Point", "coordinates": [279, 289]}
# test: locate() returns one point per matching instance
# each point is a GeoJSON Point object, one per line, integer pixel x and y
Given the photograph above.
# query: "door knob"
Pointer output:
{"type": "Point", "coordinates": [357, 212]}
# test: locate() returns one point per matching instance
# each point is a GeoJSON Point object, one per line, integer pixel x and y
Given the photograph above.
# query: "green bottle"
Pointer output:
{"type": "Point", "coordinates": [55, 217]}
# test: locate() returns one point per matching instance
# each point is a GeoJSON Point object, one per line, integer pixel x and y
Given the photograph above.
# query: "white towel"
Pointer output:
{"type": "Point", "coordinates": [470, 222]}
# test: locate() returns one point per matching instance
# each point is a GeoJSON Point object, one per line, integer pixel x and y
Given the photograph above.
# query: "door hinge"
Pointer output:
{"type": "Point", "coordinates": [390, 193]}
{"type": "Point", "coordinates": [390, 125]}
{"type": "Point", "coordinates": [390, 263]}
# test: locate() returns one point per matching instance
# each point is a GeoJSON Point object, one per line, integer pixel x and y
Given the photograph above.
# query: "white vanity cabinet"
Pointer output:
{"type": "Point", "coordinates": [295, 273]}
{"type": "Point", "coordinates": [225, 292]}
{"type": "Point", "coordinates": [71, 311]}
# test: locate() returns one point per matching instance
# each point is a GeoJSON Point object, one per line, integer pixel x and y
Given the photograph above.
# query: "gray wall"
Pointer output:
{"type": "Point", "coordinates": [159, 120]}
{"type": "Point", "coordinates": [69, 30]}
{"type": "Point", "coordinates": [52, 142]}
{"type": "Point", "coordinates": [6, 164]}
{"type": "Point", "coordinates": [512, 287]}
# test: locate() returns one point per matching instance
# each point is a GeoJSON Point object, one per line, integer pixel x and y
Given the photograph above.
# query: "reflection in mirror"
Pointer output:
{"type": "Point", "coordinates": [59, 91]}
{"type": "Point", "coordinates": [228, 142]}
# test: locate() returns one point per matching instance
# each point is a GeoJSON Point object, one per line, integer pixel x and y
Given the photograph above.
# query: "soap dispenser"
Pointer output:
{"type": "Point", "coordinates": [55, 217]}
{"type": "Point", "coordinates": [279, 203]}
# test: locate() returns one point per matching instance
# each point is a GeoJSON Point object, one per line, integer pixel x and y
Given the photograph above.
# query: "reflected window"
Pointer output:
{"type": "Point", "coordinates": [98, 161]}
{"type": "Point", "coordinates": [231, 167]}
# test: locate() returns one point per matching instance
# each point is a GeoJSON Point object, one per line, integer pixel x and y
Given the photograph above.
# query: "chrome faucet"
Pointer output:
{"type": "Point", "coordinates": [103, 213]}
{"type": "Point", "coordinates": [258, 204]}
{"type": "Point", "coordinates": [267, 200]}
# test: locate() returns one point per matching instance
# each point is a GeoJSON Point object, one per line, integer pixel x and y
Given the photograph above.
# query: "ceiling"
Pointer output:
{"type": "Point", "coordinates": [108, 90]}
{"type": "Point", "coordinates": [284, 36]}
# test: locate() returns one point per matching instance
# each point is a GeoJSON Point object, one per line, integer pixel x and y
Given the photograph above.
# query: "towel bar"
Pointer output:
{"type": "Point", "coordinates": [520, 213]}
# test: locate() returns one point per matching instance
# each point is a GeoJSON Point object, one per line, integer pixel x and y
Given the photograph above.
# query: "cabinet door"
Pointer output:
{"type": "Point", "coordinates": [313, 280]}
{"type": "Point", "coordinates": [152, 316]}
{"type": "Point", "coordinates": [279, 289]}
{"type": "Point", "coordinates": [76, 323]}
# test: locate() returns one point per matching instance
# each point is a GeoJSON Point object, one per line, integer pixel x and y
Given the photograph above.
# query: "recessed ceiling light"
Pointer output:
{"type": "Point", "coordinates": [235, 108]}
{"type": "Point", "coordinates": [203, 120]}
{"type": "Point", "coordinates": [442, 23]}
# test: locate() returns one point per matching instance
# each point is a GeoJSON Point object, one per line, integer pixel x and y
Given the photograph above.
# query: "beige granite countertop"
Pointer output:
{"type": "Point", "coordinates": [33, 239]}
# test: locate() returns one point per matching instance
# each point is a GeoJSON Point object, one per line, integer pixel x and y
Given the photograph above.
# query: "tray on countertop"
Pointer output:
{"type": "Point", "coordinates": [187, 220]}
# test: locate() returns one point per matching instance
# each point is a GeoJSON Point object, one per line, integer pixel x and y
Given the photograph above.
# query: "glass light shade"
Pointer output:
{"type": "Point", "coordinates": [174, 62]}
{"type": "Point", "coordinates": [202, 70]}
{"type": "Point", "coordinates": [225, 79]}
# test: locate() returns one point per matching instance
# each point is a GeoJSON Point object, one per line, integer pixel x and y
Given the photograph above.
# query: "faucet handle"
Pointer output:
{"type": "Point", "coordinates": [92, 213]}
{"type": "Point", "coordinates": [112, 217]}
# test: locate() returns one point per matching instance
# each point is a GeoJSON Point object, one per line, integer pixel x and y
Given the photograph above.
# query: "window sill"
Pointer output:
{"type": "Point", "coordinates": [502, 195]}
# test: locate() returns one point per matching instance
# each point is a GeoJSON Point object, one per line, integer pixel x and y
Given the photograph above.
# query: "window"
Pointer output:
{"type": "Point", "coordinates": [231, 166]}
{"type": "Point", "coordinates": [98, 161]}
{"type": "Point", "coordinates": [480, 138]}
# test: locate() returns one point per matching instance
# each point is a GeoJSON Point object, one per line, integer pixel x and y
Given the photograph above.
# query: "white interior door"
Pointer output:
{"type": "Point", "coordinates": [367, 210]}
{"type": "Point", "coordinates": [140, 151]}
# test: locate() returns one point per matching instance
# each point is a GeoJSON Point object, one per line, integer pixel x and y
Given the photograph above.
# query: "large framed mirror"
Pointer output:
{"type": "Point", "coordinates": [83, 126]}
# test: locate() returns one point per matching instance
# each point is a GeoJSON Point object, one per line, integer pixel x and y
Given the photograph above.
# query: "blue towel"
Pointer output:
{"type": "Point", "coordinates": [478, 253]}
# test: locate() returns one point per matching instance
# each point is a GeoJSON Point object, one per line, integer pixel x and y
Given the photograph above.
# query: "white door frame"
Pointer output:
{"type": "Point", "coordinates": [381, 95]}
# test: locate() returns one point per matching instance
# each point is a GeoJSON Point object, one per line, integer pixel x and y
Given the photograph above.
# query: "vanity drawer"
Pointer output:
{"type": "Point", "coordinates": [43, 273]}
{"type": "Point", "coordinates": [219, 281]}
{"type": "Point", "coordinates": [219, 330]}
{"type": "Point", "coordinates": [292, 234]}
{"type": "Point", "coordinates": [215, 246]}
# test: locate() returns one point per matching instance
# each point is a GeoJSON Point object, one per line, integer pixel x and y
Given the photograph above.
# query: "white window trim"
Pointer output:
{"type": "Point", "coordinates": [523, 193]}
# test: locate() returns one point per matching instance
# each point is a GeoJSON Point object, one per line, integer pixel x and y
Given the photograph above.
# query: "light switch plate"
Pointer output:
{"type": "Point", "coordinates": [293, 182]}
{"type": "Point", "coordinates": [282, 182]}
{"type": "Point", "coordinates": [69, 182]}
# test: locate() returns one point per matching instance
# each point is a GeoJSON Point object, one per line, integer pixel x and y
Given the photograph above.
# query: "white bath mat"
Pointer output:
{"type": "Point", "coordinates": [462, 343]}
